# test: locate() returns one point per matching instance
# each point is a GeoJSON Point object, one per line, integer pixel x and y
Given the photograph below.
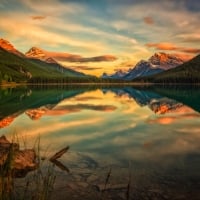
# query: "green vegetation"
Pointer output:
{"type": "Point", "coordinates": [188, 95]}
{"type": "Point", "coordinates": [18, 69]}
{"type": "Point", "coordinates": [21, 69]}
{"type": "Point", "coordinates": [188, 72]}
{"type": "Point", "coordinates": [18, 100]}
{"type": "Point", "coordinates": [15, 69]}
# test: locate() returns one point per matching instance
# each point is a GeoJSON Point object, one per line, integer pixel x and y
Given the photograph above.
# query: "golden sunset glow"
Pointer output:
{"type": "Point", "coordinates": [127, 30]}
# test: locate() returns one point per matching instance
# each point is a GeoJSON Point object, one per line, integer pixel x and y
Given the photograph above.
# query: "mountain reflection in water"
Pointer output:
{"type": "Point", "coordinates": [154, 133]}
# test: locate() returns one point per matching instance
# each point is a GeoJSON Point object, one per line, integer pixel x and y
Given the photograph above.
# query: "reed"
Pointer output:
{"type": "Point", "coordinates": [37, 185]}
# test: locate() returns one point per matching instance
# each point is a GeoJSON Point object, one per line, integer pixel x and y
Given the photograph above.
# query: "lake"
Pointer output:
{"type": "Point", "coordinates": [146, 141]}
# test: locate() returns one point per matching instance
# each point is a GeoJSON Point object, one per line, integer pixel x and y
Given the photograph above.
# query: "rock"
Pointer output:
{"type": "Point", "coordinates": [20, 162]}
{"type": "Point", "coordinates": [25, 159]}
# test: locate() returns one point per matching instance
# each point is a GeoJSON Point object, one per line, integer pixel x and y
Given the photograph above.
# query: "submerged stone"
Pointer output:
{"type": "Point", "coordinates": [15, 161]}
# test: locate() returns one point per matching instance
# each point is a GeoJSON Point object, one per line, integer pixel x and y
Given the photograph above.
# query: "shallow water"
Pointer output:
{"type": "Point", "coordinates": [151, 136]}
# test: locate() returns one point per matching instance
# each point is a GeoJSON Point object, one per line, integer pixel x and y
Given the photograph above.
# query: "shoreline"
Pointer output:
{"type": "Point", "coordinates": [13, 85]}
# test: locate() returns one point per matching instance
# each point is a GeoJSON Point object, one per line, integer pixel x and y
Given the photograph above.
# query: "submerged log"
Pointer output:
{"type": "Point", "coordinates": [59, 153]}
{"type": "Point", "coordinates": [60, 165]}
{"type": "Point", "coordinates": [15, 161]}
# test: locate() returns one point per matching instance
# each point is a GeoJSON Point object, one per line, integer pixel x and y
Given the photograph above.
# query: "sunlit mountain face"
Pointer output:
{"type": "Point", "coordinates": [94, 37]}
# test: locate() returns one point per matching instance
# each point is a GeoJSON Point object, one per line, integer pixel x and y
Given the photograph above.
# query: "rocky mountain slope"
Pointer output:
{"type": "Point", "coordinates": [17, 67]}
{"type": "Point", "coordinates": [155, 64]}
{"type": "Point", "coordinates": [6, 45]}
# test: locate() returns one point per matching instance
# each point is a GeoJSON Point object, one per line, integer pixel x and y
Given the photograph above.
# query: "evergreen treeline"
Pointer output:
{"type": "Point", "coordinates": [21, 69]}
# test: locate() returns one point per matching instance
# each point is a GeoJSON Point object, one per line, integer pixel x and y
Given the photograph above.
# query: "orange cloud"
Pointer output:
{"type": "Point", "coordinates": [38, 17]}
{"type": "Point", "coordinates": [105, 108]}
{"type": "Point", "coordinates": [58, 56]}
{"type": "Point", "coordinates": [87, 98]}
{"type": "Point", "coordinates": [162, 46]}
{"type": "Point", "coordinates": [172, 47]}
{"type": "Point", "coordinates": [191, 50]}
{"type": "Point", "coordinates": [172, 119]}
{"type": "Point", "coordinates": [37, 113]}
{"type": "Point", "coordinates": [104, 58]}
{"type": "Point", "coordinates": [148, 20]}
{"type": "Point", "coordinates": [86, 68]}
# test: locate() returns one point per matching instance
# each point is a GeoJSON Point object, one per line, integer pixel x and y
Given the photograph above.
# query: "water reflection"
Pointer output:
{"type": "Point", "coordinates": [156, 130]}
{"type": "Point", "coordinates": [38, 102]}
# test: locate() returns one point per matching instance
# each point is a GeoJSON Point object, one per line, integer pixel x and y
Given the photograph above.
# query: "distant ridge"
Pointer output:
{"type": "Point", "coordinates": [155, 64]}
{"type": "Point", "coordinates": [38, 53]}
{"type": "Point", "coordinates": [188, 72]}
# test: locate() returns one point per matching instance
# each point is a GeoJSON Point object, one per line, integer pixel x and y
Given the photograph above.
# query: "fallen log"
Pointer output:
{"type": "Point", "coordinates": [60, 165]}
{"type": "Point", "coordinates": [59, 153]}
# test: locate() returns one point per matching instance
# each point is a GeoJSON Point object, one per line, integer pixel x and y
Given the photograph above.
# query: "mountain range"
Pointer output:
{"type": "Point", "coordinates": [38, 53]}
{"type": "Point", "coordinates": [44, 55]}
{"type": "Point", "coordinates": [188, 72]}
{"type": "Point", "coordinates": [157, 63]}
{"type": "Point", "coordinates": [17, 67]}
{"type": "Point", "coordinates": [41, 66]}
{"type": "Point", "coordinates": [163, 100]}
{"type": "Point", "coordinates": [6, 45]}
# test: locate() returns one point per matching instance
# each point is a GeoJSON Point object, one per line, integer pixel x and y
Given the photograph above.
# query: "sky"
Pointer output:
{"type": "Point", "coordinates": [127, 30]}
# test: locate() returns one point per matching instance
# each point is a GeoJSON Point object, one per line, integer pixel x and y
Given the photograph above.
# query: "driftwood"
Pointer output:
{"type": "Point", "coordinates": [19, 162]}
{"type": "Point", "coordinates": [59, 153]}
{"type": "Point", "coordinates": [60, 165]}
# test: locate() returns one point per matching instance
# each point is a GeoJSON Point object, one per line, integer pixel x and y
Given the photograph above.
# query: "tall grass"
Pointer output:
{"type": "Point", "coordinates": [6, 176]}
{"type": "Point", "coordinates": [38, 185]}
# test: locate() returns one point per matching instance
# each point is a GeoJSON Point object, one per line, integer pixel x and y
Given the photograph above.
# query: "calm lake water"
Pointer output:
{"type": "Point", "coordinates": [149, 136]}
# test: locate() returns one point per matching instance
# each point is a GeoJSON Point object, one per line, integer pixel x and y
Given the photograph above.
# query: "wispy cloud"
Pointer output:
{"type": "Point", "coordinates": [104, 58]}
{"type": "Point", "coordinates": [87, 98]}
{"type": "Point", "coordinates": [162, 46]}
{"type": "Point", "coordinates": [37, 35]}
{"type": "Point", "coordinates": [91, 28]}
{"type": "Point", "coordinates": [148, 20]}
{"type": "Point", "coordinates": [105, 108]}
{"type": "Point", "coordinates": [38, 17]}
{"type": "Point", "coordinates": [189, 37]}
{"type": "Point", "coordinates": [121, 25]}
{"type": "Point", "coordinates": [87, 68]}
{"type": "Point", "coordinates": [173, 47]}
{"type": "Point", "coordinates": [73, 58]}
{"type": "Point", "coordinates": [53, 7]}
